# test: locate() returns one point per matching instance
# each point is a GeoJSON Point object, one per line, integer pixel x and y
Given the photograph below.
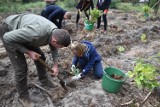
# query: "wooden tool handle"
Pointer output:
{"type": "Point", "coordinates": [48, 67]}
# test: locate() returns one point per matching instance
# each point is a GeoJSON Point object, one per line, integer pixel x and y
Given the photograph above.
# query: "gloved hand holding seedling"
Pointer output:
{"type": "Point", "coordinates": [74, 70]}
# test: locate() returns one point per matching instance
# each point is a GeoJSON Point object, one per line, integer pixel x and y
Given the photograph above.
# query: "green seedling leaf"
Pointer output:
{"type": "Point", "coordinates": [146, 9]}
{"type": "Point", "coordinates": [144, 38]}
{"type": "Point", "coordinates": [144, 75]}
{"type": "Point", "coordinates": [75, 71]}
{"type": "Point", "coordinates": [94, 14]}
{"type": "Point", "coordinates": [121, 48]}
{"type": "Point", "coordinates": [130, 74]}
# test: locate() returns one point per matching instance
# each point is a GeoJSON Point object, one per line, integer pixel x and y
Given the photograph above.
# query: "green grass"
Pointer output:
{"type": "Point", "coordinates": [129, 7]}
{"type": "Point", "coordinates": [18, 7]}
{"type": "Point", "coordinates": [63, 5]}
{"type": "Point", "coordinates": [38, 6]}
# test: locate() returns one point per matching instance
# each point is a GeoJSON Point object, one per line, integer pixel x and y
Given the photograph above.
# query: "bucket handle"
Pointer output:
{"type": "Point", "coordinates": [108, 63]}
{"type": "Point", "coordinates": [110, 66]}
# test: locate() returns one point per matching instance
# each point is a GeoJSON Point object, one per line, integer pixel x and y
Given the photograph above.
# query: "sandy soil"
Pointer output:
{"type": "Point", "coordinates": [125, 29]}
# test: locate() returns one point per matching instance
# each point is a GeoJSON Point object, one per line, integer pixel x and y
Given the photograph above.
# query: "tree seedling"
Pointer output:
{"type": "Point", "coordinates": [75, 71]}
{"type": "Point", "coordinates": [145, 11]}
{"type": "Point", "coordinates": [120, 48]}
{"type": "Point", "coordinates": [94, 14]}
{"type": "Point", "coordinates": [144, 38]}
{"type": "Point", "coordinates": [144, 75]}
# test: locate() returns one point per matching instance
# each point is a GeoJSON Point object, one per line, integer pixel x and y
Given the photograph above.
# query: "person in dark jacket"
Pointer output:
{"type": "Point", "coordinates": [83, 5]}
{"type": "Point", "coordinates": [55, 14]}
{"type": "Point", "coordinates": [86, 58]}
{"type": "Point", "coordinates": [104, 6]}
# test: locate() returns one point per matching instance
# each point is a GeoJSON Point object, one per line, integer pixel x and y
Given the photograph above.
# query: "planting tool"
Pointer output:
{"type": "Point", "coordinates": [62, 83]}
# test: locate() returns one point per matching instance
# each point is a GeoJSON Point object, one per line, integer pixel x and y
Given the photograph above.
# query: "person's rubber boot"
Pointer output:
{"type": "Point", "coordinates": [26, 102]}
{"type": "Point", "coordinates": [47, 83]}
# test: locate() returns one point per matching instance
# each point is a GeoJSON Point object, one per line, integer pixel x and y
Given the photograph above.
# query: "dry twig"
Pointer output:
{"type": "Point", "coordinates": [43, 89]}
{"type": "Point", "coordinates": [146, 97]}
{"type": "Point", "coordinates": [50, 102]}
{"type": "Point", "coordinates": [127, 103]}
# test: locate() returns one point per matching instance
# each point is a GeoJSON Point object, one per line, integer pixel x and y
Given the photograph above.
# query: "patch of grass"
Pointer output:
{"type": "Point", "coordinates": [114, 4]}
{"type": "Point", "coordinates": [63, 5]}
{"type": "Point", "coordinates": [19, 7]}
{"type": "Point", "coordinates": [129, 7]}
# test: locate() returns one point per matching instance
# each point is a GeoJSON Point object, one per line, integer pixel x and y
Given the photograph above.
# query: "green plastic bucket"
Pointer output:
{"type": "Point", "coordinates": [110, 84]}
{"type": "Point", "coordinates": [88, 26]}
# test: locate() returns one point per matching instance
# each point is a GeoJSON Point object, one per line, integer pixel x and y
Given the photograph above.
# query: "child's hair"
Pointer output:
{"type": "Point", "coordinates": [79, 47]}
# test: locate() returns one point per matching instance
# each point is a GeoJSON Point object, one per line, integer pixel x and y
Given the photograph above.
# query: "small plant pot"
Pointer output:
{"type": "Point", "coordinates": [88, 26]}
{"type": "Point", "coordinates": [110, 84]}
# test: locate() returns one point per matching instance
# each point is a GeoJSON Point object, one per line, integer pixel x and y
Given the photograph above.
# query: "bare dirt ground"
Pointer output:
{"type": "Point", "coordinates": [124, 29]}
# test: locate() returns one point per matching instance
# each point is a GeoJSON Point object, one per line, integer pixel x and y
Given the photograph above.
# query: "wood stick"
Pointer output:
{"type": "Point", "coordinates": [127, 103]}
{"type": "Point", "coordinates": [146, 97]}
{"type": "Point", "coordinates": [43, 89]}
{"type": "Point", "coordinates": [50, 102]}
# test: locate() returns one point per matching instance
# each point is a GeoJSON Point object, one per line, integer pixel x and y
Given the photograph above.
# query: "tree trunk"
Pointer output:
{"type": "Point", "coordinates": [25, 1]}
{"type": "Point", "coordinates": [157, 7]}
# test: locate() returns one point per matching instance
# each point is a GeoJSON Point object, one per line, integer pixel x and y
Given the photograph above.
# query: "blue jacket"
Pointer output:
{"type": "Point", "coordinates": [90, 55]}
{"type": "Point", "coordinates": [105, 4]}
{"type": "Point", "coordinates": [52, 13]}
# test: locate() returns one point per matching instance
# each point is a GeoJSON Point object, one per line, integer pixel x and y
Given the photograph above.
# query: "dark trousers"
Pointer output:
{"type": "Point", "coordinates": [104, 20]}
{"type": "Point", "coordinates": [19, 64]}
{"type": "Point", "coordinates": [78, 16]}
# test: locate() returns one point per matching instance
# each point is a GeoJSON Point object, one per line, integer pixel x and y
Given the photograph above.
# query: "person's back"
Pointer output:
{"type": "Point", "coordinates": [55, 14]}
{"type": "Point", "coordinates": [49, 9]}
{"type": "Point", "coordinates": [37, 25]}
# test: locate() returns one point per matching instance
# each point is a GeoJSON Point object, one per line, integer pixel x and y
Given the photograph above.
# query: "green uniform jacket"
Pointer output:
{"type": "Point", "coordinates": [29, 29]}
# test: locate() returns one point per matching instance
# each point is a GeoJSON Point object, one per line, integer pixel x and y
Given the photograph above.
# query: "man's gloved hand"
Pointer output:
{"type": "Point", "coordinates": [77, 77]}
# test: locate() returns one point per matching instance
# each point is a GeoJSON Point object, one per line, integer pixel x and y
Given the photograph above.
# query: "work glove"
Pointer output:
{"type": "Point", "coordinates": [105, 11]}
{"type": "Point", "coordinates": [77, 77]}
{"type": "Point", "coordinates": [73, 67]}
